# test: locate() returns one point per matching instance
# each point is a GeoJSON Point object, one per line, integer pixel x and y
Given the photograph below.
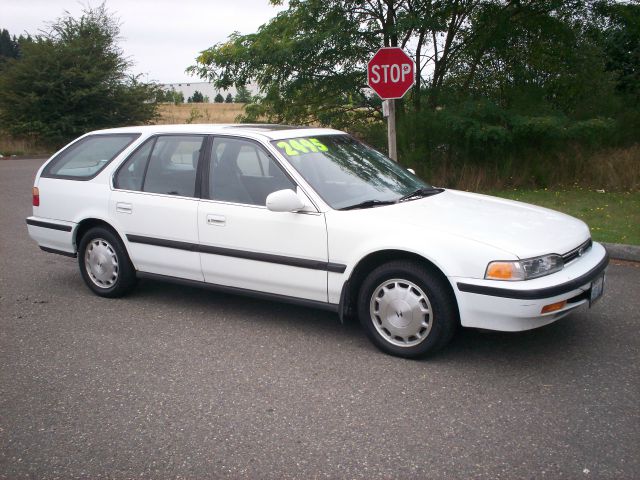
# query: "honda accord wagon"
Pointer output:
{"type": "Point", "coordinates": [310, 216]}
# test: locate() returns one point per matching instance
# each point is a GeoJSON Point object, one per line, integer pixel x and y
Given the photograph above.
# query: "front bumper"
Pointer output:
{"type": "Point", "coordinates": [517, 306]}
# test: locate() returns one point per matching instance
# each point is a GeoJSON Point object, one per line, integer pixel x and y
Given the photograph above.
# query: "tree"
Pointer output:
{"type": "Point", "coordinates": [170, 96]}
{"type": "Point", "coordinates": [312, 57]}
{"type": "Point", "coordinates": [492, 76]}
{"type": "Point", "coordinates": [304, 60]}
{"type": "Point", "coordinates": [617, 30]}
{"type": "Point", "coordinates": [243, 95]}
{"type": "Point", "coordinates": [10, 46]}
{"type": "Point", "coordinates": [619, 33]}
{"type": "Point", "coordinates": [218, 98]}
{"type": "Point", "coordinates": [197, 97]}
{"type": "Point", "coordinates": [72, 79]}
{"type": "Point", "coordinates": [229, 98]}
{"type": "Point", "coordinates": [310, 60]}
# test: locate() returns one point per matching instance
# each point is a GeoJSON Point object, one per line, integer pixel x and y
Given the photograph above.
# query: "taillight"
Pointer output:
{"type": "Point", "coordinates": [36, 196]}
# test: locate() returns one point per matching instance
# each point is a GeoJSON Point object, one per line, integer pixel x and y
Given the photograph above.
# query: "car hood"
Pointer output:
{"type": "Point", "coordinates": [518, 228]}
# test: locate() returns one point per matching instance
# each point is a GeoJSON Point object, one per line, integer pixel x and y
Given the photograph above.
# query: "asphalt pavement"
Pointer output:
{"type": "Point", "coordinates": [177, 382]}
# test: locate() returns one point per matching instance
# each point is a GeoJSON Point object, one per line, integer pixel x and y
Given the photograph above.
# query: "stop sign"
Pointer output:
{"type": "Point", "coordinates": [391, 72]}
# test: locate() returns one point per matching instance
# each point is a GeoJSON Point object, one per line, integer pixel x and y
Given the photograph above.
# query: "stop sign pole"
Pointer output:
{"type": "Point", "coordinates": [391, 73]}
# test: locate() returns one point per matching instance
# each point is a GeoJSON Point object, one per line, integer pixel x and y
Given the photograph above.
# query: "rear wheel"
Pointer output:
{"type": "Point", "coordinates": [104, 263]}
{"type": "Point", "coordinates": [406, 309]}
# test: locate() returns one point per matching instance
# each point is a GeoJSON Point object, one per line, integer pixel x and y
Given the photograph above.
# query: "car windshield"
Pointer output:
{"type": "Point", "coordinates": [347, 173]}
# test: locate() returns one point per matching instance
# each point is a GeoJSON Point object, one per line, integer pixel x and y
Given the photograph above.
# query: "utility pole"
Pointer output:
{"type": "Point", "coordinates": [391, 129]}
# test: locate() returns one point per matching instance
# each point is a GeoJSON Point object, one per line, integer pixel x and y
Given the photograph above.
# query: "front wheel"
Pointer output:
{"type": "Point", "coordinates": [104, 263]}
{"type": "Point", "coordinates": [406, 309]}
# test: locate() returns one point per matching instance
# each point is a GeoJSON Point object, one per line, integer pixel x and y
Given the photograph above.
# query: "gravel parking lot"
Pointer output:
{"type": "Point", "coordinates": [176, 382]}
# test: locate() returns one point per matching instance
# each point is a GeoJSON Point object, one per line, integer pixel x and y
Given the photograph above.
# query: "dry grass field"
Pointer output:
{"type": "Point", "coordinates": [169, 114]}
{"type": "Point", "coordinates": [20, 146]}
{"type": "Point", "coordinates": [199, 113]}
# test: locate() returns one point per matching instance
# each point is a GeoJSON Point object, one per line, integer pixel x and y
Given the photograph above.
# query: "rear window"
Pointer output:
{"type": "Point", "coordinates": [85, 158]}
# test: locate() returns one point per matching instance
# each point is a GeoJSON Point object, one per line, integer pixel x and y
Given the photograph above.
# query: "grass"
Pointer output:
{"type": "Point", "coordinates": [615, 169]}
{"type": "Point", "coordinates": [12, 146]}
{"type": "Point", "coordinates": [612, 217]}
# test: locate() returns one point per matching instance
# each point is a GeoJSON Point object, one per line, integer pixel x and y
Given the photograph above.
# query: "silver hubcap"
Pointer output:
{"type": "Point", "coordinates": [401, 312]}
{"type": "Point", "coordinates": [101, 263]}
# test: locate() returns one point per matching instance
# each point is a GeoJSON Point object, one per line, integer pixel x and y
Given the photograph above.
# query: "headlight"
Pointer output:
{"type": "Point", "coordinates": [524, 269]}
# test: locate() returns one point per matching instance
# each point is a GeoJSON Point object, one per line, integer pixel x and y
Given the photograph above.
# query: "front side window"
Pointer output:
{"type": "Point", "coordinates": [87, 157]}
{"type": "Point", "coordinates": [242, 172]}
{"type": "Point", "coordinates": [345, 172]}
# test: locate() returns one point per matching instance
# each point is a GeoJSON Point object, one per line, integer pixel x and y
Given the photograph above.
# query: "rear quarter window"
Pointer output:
{"type": "Point", "coordinates": [87, 157]}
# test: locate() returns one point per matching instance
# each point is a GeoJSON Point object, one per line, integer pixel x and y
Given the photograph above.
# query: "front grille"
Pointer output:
{"type": "Point", "coordinates": [577, 252]}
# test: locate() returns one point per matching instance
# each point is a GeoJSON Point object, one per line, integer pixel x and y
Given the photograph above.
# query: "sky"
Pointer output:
{"type": "Point", "coordinates": [161, 37]}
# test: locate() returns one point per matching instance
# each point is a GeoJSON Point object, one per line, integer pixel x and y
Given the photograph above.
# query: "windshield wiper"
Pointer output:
{"type": "Point", "coordinates": [421, 192]}
{"type": "Point", "coordinates": [369, 204]}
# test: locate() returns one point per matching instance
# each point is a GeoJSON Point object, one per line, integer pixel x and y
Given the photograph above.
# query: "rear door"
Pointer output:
{"type": "Point", "coordinates": [245, 245]}
{"type": "Point", "coordinates": [155, 204]}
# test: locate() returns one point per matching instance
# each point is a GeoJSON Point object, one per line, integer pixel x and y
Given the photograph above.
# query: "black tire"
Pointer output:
{"type": "Point", "coordinates": [117, 277]}
{"type": "Point", "coordinates": [401, 331]}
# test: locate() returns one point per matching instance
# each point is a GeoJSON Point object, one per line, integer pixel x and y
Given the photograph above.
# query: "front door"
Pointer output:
{"type": "Point", "coordinates": [245, 245]}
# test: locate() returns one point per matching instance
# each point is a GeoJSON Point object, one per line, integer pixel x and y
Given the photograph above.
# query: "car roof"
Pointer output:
{"type": "Point", "coordinates": [270, 131]}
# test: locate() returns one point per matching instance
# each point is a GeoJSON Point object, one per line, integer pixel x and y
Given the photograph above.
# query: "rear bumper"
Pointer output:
{"type": "Point", "coordinates": [517, 306]}
{"type": "Point", "coordinates": [54, 236]}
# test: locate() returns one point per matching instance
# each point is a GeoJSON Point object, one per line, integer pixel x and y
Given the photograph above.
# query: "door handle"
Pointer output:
{"type": "Point", "coordinates": [123, 207]}
{"type": "Point", "coordinates": [218, 220]}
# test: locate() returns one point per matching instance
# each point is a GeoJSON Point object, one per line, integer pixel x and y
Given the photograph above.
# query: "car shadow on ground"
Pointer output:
{"type": "Point", "coordinates": [489, 346]}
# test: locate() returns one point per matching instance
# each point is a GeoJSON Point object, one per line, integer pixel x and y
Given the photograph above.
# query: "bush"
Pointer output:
{"type": "Point", "coordinates": [479, 145]}
{"type": "Point", "coordinates": [72, 80]}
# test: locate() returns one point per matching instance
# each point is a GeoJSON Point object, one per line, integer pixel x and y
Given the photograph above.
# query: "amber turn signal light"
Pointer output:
{"type": "Point", "coordinates": [554, 307]}
{"type": "Point", "coordinates": [501, 271]}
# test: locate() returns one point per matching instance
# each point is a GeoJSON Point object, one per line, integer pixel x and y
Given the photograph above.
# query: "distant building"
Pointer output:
{"type": "Point", "coordinates": [205, 88]}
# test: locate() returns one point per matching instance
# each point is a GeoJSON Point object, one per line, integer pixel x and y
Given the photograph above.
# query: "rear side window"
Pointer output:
{"type": "Point", "coordinates": [131, 173]}
{"type": "Point", "coordinates": [165, 164]}
{"type": "Point", "coordinates": [87, 157]}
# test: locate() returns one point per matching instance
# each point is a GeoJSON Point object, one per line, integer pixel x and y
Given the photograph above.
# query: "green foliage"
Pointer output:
{"type": "Point", "coordinates": [480, 131]}
{"type": "Point", "coordinates": [304, 61]}
{"type": "Point", "coordinates": [243, 95]}
{"type": "Point", "coordinates": [197, 97]}
{"type": "Point", "coordinates": [218, 98]}
{"type": "Point", "coordinates": [170, 96]}
{"type": "Point", "coordinates": [194, 115]}
{"type": "Point", "coordinates": [9, 47]}
{"type": "Point", "coordinates": [501, 81]}
{"type": "Point", "coordinates": [228, 98]}
{"type": "Point", "coordinates": [71, 80]}
{"type": "Point", "coordinates": [619, 32]}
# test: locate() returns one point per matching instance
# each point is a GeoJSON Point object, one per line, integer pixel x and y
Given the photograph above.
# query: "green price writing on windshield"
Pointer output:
{"type": "Point", "coordinates": [301, 145]}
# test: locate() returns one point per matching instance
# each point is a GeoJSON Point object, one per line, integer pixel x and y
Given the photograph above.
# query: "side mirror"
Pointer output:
{"type": "Point", "coordinates": [411, 170]}
{"type": "Point", "coordinates": [284, 201]}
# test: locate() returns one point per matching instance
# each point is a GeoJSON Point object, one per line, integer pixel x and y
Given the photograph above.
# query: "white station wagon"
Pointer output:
{"type": "Point", "coordinates": [314, 217]}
